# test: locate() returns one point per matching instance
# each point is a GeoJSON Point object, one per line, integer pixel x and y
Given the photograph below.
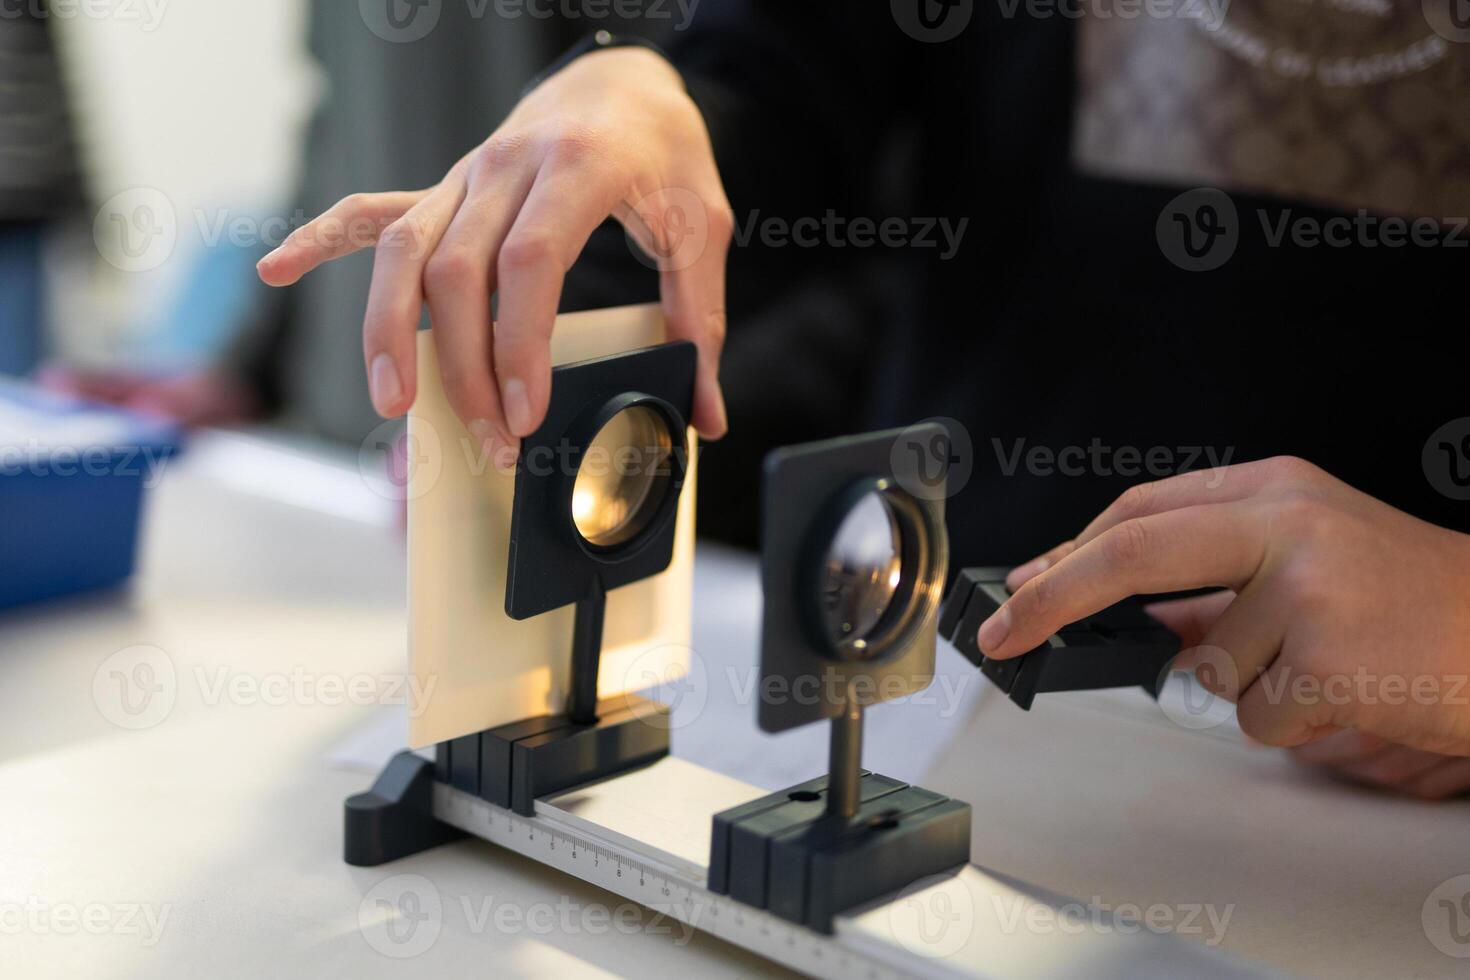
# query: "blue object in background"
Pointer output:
{"type": "Point", "coordinates": [20, 297]}
{"type": "Point", "coordinates": [72, 481]}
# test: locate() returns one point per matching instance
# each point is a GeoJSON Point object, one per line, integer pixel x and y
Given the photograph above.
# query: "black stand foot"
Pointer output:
{"type": "Point", "coordinates": [514, 764]}
{"type": "Point", "coordinates": [787, 854]}
{"type": "Point", "coordinates": [396, 817]}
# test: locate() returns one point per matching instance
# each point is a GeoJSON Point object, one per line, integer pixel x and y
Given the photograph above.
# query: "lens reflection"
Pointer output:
{"type": "Point", "coordinates": [862, 570]}
{"type": "Point", "coordinates": [622, 476]}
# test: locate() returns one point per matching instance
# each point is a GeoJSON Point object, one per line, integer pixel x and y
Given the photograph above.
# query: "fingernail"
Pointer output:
{"type": "Point", "coordinates": [993, 631]}
{"type": "Point", "coordinates": [506, 457]}
{"type": "Point", "coordinates": [517, 406]}
{"type": "Point", "coordinates": [723, 418]}
{"type": "Point", "coordinates": [483, 433]}
{"type": "Point", "coordinates": [385, 386]}
{"type": "Point", "coordinates": [1026, 572]}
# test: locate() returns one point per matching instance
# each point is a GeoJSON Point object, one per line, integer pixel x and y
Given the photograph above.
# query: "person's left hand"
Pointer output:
{"type": "Point", "coordinates": [1346, 615]}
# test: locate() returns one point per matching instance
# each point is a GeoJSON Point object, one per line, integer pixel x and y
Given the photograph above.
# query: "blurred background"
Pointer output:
{"type": "Point", "coordinates": [138, 204]}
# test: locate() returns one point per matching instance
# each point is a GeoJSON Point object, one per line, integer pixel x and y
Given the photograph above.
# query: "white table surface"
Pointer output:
{"type": "Point", "coordinates": [209, 843]}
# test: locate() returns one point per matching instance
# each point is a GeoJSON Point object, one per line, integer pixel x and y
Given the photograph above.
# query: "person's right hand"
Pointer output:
{"type": "Point", "coordinates": [613, 133]}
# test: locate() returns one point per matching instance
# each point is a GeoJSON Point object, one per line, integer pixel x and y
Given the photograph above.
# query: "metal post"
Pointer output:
{"type": "Point", "coordinates": [586, 656]}
{"type": "Point", "coordinates": [845, 763]}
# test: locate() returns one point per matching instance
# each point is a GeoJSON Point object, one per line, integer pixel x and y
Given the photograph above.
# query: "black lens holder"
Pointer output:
{"type": "Point", "coordinates": [810, 851]}
{"type": "Point", "coordinates": [551, 564]}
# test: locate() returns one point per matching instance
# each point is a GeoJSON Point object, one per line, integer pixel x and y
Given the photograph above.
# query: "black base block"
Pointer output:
{"type": "Point", "coordinates": [514, 764]}
{"type": "Point", "coordinates": [783, 853]}
{"type": "Point", "coordinates": [510, 766]}
{"type": "Point", "coordinates": [396, 817]}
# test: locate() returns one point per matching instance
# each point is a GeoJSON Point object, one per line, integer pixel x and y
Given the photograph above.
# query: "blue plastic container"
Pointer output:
{"type": "Point", "coordinates": [72, 481]}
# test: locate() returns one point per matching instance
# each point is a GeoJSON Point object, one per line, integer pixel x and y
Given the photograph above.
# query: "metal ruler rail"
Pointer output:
{"type": "Point", "coordinates": [665, 885]}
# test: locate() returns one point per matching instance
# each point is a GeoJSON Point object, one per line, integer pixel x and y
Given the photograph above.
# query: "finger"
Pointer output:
{"type": "Point", "coordinates": [1449, 778]}
{"type": "Point", "coordinates": [350, 225]}
{"type": "Point", "coordinates": [1393, 766]}
{"type": "Point", "coordinates": [1022, 574]}
{"type": "Point", "coordinates": [1238, 648]}
{"type": "Point", "coordinates": [571, 196]}
{"type": "Point", "coordinates": [689, 234]}
{"type": "Point", "coordinates": [1181, 549]}
{"type": "Point", "coordinates": [1341, 748]}
{"type": "Point", "coordinates": [1272, 713]}
{"type": "Point", "coordinates": [458, 283]}
{"type": "Point", "coordinates": [396, 296]}
{"type": "Point", "coordinates": [1218, 485]}
{"type": "Point", "coordinates": [694, 306]}
{"type": "Point", "coordinates": [1190, 619]}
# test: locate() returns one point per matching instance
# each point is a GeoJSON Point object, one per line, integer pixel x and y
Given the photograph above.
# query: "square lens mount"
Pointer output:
{"type": "Point", "coordinates": [551, 563]}
{"type": "Point", "coordinates": [808, 491]}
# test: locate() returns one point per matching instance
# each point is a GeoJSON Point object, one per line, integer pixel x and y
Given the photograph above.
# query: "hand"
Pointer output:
{"type": "Point", "coordinates": [613, 133]}
{"type": "Point", "coordinates": [193, 398]}
{"type": "Point", "coordinates": [1377, 762]}
{"type": "Point", "coordinates": [1347, 614]}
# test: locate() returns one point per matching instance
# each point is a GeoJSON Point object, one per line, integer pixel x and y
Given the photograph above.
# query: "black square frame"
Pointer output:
{"type": "Point", "coordinates": [550, 564]}
{"type": "Point", "coordinates": [804, 492]}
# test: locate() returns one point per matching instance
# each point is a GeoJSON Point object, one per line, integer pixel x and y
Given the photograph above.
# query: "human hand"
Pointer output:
{"type": "Point", "coordinates": [1378, 762]}
{"type": "Point", "coordinates": [205, 397]}
{"type": "Point", "coordinates": [613, 133]}
{"type": "Point", "coordinates": [1346, 613]}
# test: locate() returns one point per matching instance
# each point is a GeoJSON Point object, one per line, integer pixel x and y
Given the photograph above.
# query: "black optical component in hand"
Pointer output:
{"type": "Point", "coordinates": [1121, 646]}
{"type": "Point", "coordinates": [592, 514]}
{"type": "Point", "coordinates": [596, 505]}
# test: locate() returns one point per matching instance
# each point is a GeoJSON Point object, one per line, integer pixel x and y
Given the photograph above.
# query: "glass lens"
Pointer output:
{"type": "Point", "coordinates": [620, 482]}
{"type": "Point", "coordinates": [862, 570]}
